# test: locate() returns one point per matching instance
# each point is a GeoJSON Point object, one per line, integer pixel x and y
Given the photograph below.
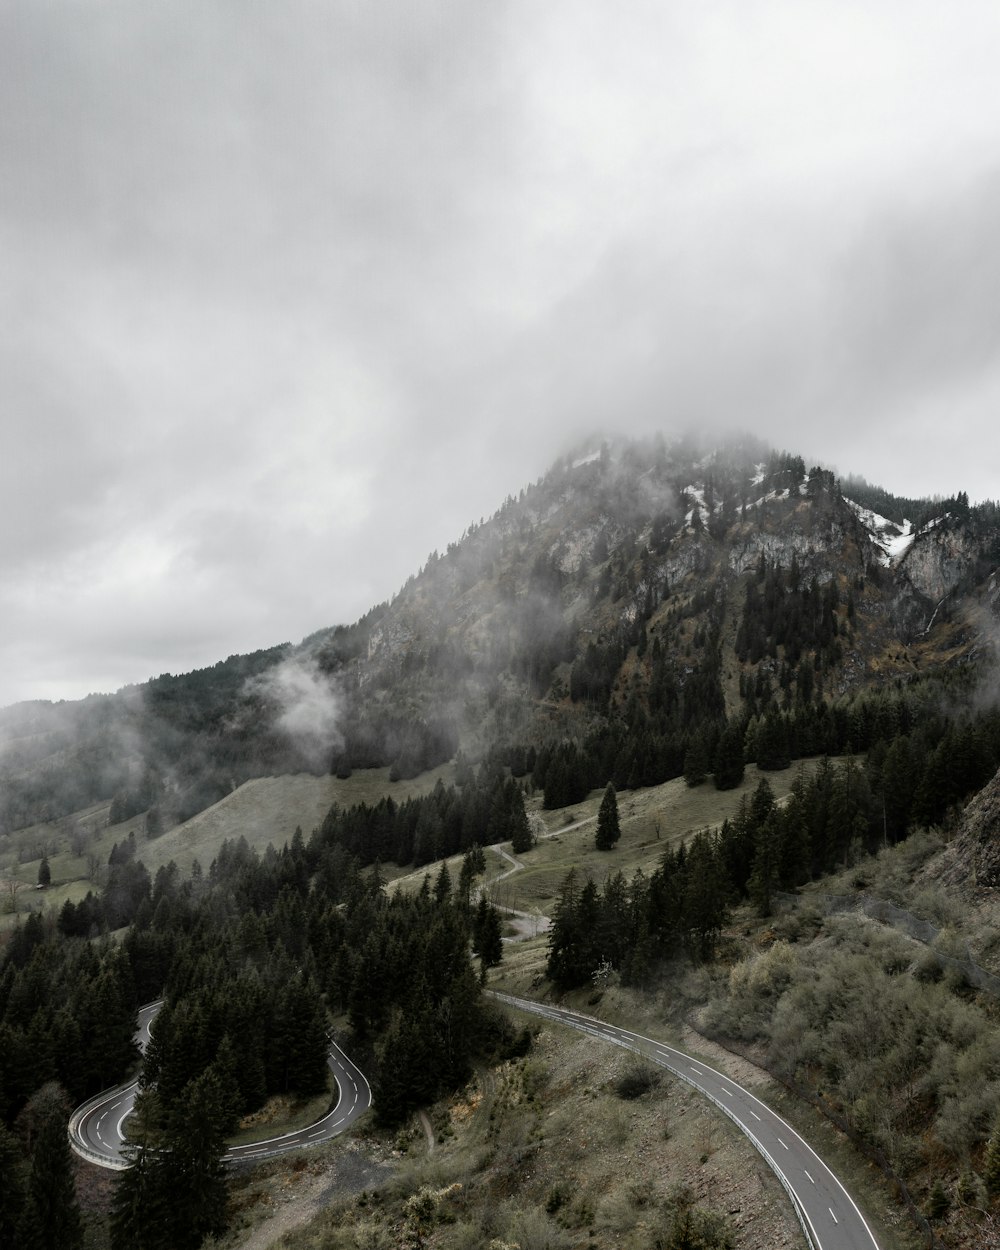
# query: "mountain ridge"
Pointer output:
{"type": "Point", "coordinates": [617, 583]}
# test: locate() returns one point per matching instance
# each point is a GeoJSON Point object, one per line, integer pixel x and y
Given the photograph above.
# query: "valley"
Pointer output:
{"type": "Point", "coordinates": [775, 703]}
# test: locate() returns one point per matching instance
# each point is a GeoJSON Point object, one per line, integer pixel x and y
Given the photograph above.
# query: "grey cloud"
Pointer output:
{"type": "Point", "coordinates": [291, 294]}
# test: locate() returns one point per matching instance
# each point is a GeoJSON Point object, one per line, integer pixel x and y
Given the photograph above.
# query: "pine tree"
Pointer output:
{"type": "Point", "coordinates": [766, 867]}
{"type": "Point", "coordinates": [191, 1163]}
{"type": "Point", "coordinates": [520, 831]}
{"type": "Point", "coordinates": [487, 941]}
{"type": "Point", "coordinates": [705, 890]}
{"type": "Point", "coordinates": [140, 1203]}
{"type": "Point", "coordinates": [696, 761]}
{"type": "Point", "coordinates": [13, 1189]}
{"type": "Point", "coordinates": [608, 827]}
{"type": "Point", "coordinates": [51, 1218]}
{"type": "Point", "coordinates": [728, 767]}
{"type": "Point", "coordinates": [44, 872]}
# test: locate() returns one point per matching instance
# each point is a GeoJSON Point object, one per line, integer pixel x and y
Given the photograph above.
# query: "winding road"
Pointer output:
{"type": "Point", "coordinates": [828, 1214]}
{"type": "Point", "coordinates": [829, 1217]}
{"type": "Point", "coordinates": [96, 1129]}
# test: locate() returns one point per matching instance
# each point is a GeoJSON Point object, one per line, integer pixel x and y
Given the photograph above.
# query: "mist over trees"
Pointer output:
{"type": "Point", "coordinates": [638, 615]}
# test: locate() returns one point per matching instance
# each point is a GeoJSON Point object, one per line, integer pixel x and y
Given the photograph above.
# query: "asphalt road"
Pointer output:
{"type": "Point", "coordinates": [96, 1129]}
{"type": "Point", "coordinates": [829, 1216]}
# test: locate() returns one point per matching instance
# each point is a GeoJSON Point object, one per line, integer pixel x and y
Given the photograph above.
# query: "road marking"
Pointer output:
{"type": "Point", "coordinates": [781, 1143]}
{"type": "Point", "coordinates": [835, 1220]}
{"type": "Point", "coordinates": [727, 1092]}
{"type": "Point", "coordinates": [811, 1181]}
{"type": "Point", "coordinates": [754, 1114]}
{"type": "Point", "coordinates": [698, 1070]}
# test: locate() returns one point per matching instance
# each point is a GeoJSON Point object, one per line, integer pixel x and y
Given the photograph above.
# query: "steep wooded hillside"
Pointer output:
{"type": "Point", "coordinates": [649, 592]}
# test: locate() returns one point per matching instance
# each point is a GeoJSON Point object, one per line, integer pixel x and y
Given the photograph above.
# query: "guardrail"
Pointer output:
{"type": "Point", "coordinates": [79, 1146]}
{"type": "Point", "coordinates": [797, 1207]}
{"type": "Point", "coordinates": [812, 1240]}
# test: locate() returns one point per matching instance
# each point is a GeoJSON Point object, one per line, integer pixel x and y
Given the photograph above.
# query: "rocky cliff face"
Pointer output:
{"type": "Point", "coordinates": [974, 856]}
{"type": "Point", "coordinates": [938, 560]}
{"type": "Point", "coordinates": [640, 542]}
{"type": "Point", "coordinates": [635, 581]}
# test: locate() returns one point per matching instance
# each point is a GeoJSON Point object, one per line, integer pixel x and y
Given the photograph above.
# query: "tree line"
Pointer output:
{"type": "Point", "coordinates": [250, 957]}
{"type": "Point", "coordinates": [833, 815]}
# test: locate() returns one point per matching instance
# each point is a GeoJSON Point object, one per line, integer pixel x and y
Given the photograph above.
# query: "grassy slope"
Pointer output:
{"type": "Point", "coordinates": [265, 811]}
{"type": "Point", "coordinates": [542, 1152]}
{"type": "Point", "coordinates": [651, 820]}
{"type": "Point", "coordinates": [268, 809]}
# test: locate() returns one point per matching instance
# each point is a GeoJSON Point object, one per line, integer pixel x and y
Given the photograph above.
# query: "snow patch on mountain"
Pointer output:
{"type": "Point", "coordinates": [891, 539]}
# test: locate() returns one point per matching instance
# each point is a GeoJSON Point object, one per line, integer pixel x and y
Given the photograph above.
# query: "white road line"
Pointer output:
{"type": "Point", "coordinates": [576, 1020]}
{"type": "Point", "coordinates": [781, 1143]}
{"type": "Point", "coordinates": [811, 1181]}
{"type": "Point", "coordinates": [835, 1220]}
{"type": "Point", "coordinates": [727, 1092]}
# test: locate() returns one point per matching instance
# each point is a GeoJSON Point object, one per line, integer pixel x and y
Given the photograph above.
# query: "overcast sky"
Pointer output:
{"type": "Point", "coordinates": [291, 292]}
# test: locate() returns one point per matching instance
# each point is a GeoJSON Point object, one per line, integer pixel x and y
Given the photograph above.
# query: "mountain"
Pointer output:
{"type": "Point", "coordinates": [639, 596]}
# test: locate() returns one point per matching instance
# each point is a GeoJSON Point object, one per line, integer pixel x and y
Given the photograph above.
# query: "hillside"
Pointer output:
{"type": "Point", "coordinates": [644, 590]}
{"type": "Point", "coordinates": [637, 648]}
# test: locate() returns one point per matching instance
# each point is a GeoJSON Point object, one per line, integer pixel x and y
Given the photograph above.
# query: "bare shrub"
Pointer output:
{"type": "Point", "coordinates": [636, 1080]}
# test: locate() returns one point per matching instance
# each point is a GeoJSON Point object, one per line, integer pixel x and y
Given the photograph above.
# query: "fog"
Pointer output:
{"type": "Point", "coordinates": [291, 295]}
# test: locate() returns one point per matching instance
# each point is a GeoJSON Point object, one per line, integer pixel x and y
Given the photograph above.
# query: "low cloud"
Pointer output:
{"type": "Point", "coordinates": [308, 705]}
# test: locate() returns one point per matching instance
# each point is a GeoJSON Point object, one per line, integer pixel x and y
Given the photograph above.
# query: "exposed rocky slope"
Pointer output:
{"type": "Point", "coordinates": [633, 579]}
{"type": "Point", "coordinates": [974, 855]}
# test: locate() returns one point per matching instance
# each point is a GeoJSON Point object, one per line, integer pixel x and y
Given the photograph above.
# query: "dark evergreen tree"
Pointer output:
{"type": "Point", "coordinates": [13, 1189]}
{"type": "Point", "coordinates": [51, 1217]}
{"type": "Point", "coordinates": [705, 891]}
{"type": "Point", "coordinates": [191, 1163]}
{"type": "Point", "coordinates": [44, 872]}
{"type": "Point", "coordinates": [608, 826]}
{"type": "Point", "coordinates": [141, 1216]}
{"type": "Point", "coordinates": [521, 839]}
{"type": "Point", "coordinates": [765, 875]}
{"type": "Point", "coordinates": [487, 934]}
{"type": "Point", "coordinates": [728, 767]}
{"type": "Point", "coordinates": [697, 761]}
{"type": "Point", "coordinates": [773, 753]}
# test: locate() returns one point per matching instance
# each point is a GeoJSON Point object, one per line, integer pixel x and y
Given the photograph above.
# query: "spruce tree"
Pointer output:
{"type": "Point", "coordinates": [44, 872]}
{"type": "Point", "coordinates": [13, 1188]}
{"type": "Point", "coordinates": [191, 1163]}
{"type": "Point", "coordinates": [140, 1203]}
{"type": "Point", "coordinates": [520, 831]}
{"type": "Point", "coordinates": [487, 940]}
{"type": "Point", "coordinates": [764, 877]}
{"type": "Point", "coordinates": [608, 827]}
{"type": "Point", "coordinates": [696, 761]}
{"type": "Point", "coordinates": [728, 767]}
{"type": "Point", "coordinates": [51, 1218]}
